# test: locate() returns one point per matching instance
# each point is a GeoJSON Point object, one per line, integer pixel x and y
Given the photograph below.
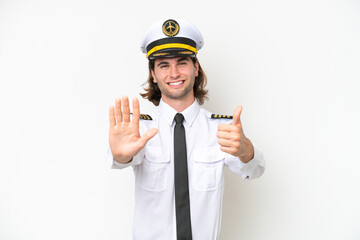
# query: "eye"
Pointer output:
{"type": "Point", "coordinates": [163, 66]}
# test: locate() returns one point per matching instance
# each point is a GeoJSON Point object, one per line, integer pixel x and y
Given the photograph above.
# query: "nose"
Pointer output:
{"type": "Point", "coordinates": [174, 72]}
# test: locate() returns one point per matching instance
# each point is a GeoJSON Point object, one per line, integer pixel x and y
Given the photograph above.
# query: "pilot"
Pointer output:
{"type": "Point", "coordinates": [179, 150]}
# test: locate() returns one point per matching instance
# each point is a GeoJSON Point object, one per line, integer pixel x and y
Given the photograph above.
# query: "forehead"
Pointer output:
{"type": "Point", "coordinates": [171, 59]}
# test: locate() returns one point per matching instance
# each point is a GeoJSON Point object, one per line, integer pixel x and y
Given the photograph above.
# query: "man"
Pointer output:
{"type": "Point", "coordinates": [178, 152]}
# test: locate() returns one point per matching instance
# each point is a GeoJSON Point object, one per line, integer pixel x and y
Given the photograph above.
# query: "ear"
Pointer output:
{"type": "Point", "coordinates": [153, 76]}
{"type": "Point", "coordinates": [196, 68]}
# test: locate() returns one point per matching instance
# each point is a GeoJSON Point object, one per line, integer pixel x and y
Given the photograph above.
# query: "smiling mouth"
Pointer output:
{"type": "Point", "coordinates": [176, 83]}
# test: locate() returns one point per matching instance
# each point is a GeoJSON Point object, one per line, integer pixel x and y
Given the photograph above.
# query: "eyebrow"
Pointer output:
{"type": "Point", "coordinates": [183, 59]}
{"type": "Point", "coordinates": [179, 60]}
{"type": "Point", "coordinates": [162, 63]}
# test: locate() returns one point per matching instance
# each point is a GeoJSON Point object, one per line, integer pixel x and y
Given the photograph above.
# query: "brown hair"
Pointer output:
{"type": "Point", "coordinates": [153, 93]}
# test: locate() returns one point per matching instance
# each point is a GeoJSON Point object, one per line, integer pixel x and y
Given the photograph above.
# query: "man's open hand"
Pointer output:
{"type": "Point", "coordinates": [232, 139]}
{"type": "Point", "coordinates": [124, 136]}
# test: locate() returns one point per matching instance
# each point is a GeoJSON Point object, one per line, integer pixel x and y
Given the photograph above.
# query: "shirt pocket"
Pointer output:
{"type": "Point", "coordinates": [152, 173]}
{"type": "Point", "coordinates": [208, 169]}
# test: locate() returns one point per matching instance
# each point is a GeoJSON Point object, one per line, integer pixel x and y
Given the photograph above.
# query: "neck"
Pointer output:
{"type": "Point", "coordinates": [179, 104]}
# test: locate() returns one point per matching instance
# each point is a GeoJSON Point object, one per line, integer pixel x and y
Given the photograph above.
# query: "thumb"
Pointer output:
{"type": "Point", "coordinates": [149, 134]}
{"type": "Point", "coordinates": [236, 115]}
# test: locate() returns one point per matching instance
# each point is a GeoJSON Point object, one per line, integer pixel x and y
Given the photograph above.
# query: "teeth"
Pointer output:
{"type": "Point", "coordinates": [176, 83]}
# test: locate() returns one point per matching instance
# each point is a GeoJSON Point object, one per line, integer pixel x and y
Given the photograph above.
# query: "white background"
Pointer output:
{"type": "Point", "coordinates": [293, 65]}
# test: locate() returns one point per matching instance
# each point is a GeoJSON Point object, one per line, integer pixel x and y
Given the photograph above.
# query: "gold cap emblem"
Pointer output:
{"type": "Point", "coordinates": [170, 28]}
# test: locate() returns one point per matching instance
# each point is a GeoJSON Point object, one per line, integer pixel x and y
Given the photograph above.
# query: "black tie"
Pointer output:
{"type": "Point", "coordinates": [182, 202]}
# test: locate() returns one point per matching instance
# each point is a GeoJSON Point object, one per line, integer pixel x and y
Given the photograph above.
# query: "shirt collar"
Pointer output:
{"type": "Point", "coordinates": [168, 113]}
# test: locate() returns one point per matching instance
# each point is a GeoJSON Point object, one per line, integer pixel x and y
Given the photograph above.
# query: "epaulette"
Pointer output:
{"type": "Point", "coordinates": [221, 116]}
{"type": "Point", "coordinates": [145, 117]}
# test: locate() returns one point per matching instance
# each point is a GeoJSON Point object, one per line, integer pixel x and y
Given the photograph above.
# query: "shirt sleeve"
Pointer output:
{"type": "Point", "coordinates": [137, 159]}
{"type": "Point", "coordinates": [250, 170]}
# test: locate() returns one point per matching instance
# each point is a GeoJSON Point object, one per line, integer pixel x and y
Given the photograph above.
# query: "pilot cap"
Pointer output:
{"type": "Point", "coordinates": [171, 38]}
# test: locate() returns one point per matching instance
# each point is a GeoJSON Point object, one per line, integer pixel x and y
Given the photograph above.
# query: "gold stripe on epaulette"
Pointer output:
{"type": "Point", "coordinates": [145, 117]}
{"type": "Point", "coordinates": [218, 116]}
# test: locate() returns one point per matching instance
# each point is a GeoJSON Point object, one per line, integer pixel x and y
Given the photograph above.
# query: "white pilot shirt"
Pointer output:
{"type": "Point", "coordinates": [153, 167]}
